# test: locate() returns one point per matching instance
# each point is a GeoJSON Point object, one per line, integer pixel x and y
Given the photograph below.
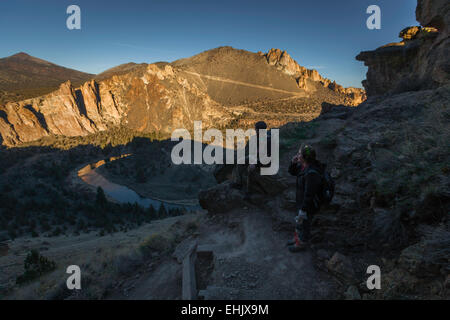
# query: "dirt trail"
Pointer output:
{"type": "Point", "coordinates": [297, 94]}
{"type": "Point", "coordinates": [251, 262]}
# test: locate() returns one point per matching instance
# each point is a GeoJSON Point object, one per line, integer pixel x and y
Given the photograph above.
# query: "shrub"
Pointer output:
{"type": "Point", "coordinates": [388, 229]}
{"type": "Point", "coordinates": [35, 266]}
{"type": "Point", "coordinates": [156, 242]}
{"type": "Point", "coordinates": [56, 232]}
{"type": "Point", "coordinates": [101, 198]}
{"type": "Point", "coordinates": [127, 264]}
{"type": "Point", "coordinates": [162, 212]}
{"type": "Point", "coordinates": [437, 246]}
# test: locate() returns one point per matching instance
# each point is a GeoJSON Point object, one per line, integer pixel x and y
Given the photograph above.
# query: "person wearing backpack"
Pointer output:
{"type": "Point", "coordinates": [309, 194]}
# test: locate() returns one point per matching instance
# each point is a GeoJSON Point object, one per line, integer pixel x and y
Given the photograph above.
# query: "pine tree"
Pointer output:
{"type": "Point", "coordinates": [162, 212]}
{"type": "Point", "coordinates": [101, 198]}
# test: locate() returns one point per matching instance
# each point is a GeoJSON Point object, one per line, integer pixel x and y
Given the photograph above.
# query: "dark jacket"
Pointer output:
{"type": "Point", "coordinates": [309, 184]}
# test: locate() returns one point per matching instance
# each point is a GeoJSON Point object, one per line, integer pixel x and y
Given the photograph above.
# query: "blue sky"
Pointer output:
{"type": "Point", "coordinates": [322, 34]}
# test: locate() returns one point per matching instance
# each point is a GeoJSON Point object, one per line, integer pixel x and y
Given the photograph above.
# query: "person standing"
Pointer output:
{"type": "Point", "coordinates": [308, 171]}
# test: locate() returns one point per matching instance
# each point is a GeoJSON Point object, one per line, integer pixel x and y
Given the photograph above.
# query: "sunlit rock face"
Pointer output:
{"type": "Point", "coordinates": [147, 99]}
{"type": "Point", "coordinates": [163, 97]}
{"type": "Point", "coordinates": [284, 62]}
{"type": "Point", "coordinates": [420, 61]}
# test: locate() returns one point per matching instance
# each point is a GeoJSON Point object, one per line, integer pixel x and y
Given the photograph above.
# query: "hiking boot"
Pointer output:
{"type": "Point", "coordinates": [290, 242]}
{"type": "Point", "coordinates": [298, 247]}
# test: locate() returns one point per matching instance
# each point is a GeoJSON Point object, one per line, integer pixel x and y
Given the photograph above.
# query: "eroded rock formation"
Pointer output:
{"type": "Point", "coordinates": [284, 62]}
{"type": "Point", "coordinates": [149, 99]}
{"type": "Point", "coordinates": [165, 96]}
{"type": "Point", "coordinates": [420, 61]}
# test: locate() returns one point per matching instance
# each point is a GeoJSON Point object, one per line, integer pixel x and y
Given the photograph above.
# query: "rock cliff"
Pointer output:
{"type": "Point", "coordinates": [147, 99]}
{"type": "Point", "coordinates": [218, 87]}
{"type": "Point", "coordinates": [284, 62]}
{"type": "Point", "coordinates": [420, 61]}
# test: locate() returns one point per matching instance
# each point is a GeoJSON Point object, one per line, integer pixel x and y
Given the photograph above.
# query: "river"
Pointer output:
{"type": "Point", "coordinates": [122, 194]}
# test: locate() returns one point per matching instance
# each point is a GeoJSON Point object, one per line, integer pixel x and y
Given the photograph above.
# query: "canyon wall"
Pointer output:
{"type": "Point", "coordinates": [148, 99]}
{"type": "Point", "coordinates": [162, 97]}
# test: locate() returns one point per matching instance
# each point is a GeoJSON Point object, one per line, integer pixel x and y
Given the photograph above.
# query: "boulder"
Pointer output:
{"type": "Point", "coordinates": [323, 254]}
{"type": "Point", "coordinates": [420, 61]}
{"type": "Point", "coordinates": [221, 198]}
{"type": "Point", "coordinates": [409, 33]}
{"type": "Point", "coordinates": [352, 293]}
{"type": "Point", "coordinates": [223, 172]}
{"type": "Point", "coordinates": [447, 282]}
{"type": "Point", "coordinates": [434, 13]}
{"type": "Point", "coordinates": [397, 284]}
{"type": "Point", "coordinates": [341, 266]}
{"type": "Point", "coordinates": [413, 260]}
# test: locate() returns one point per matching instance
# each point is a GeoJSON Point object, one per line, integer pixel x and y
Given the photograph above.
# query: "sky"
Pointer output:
{"type": "Point", "coordinates": [321, 34]}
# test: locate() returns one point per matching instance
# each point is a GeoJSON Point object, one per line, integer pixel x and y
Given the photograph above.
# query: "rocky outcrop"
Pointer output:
{"type": "Point", "coordinates": [147, 99]}
{"type": "Point", "coordinates": [420, 61]}
{"type": "Point", "coordinates": [221, 198]}
{"type": "Point", "coordinates": [434, 13]}
{"type": "Point", "coordinates": [284, 62]}
{"type": "Point", "coordinates": [341, 267]}
{"type": "Point", "coordinates": [67, 112]}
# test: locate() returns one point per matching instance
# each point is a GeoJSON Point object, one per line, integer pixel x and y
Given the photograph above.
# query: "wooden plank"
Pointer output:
{"type": "Point", "coordinates": [189, 285]}
{"type": "Point", "coordinates": [205, 251]}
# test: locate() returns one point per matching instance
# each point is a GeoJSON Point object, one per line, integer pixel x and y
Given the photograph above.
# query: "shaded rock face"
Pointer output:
{"type": "Point", "coordinates": [420, 61]}
{"type": "Point", "coordinates": [341, 266]}
{"type": "Point", "coordinates": [434, 13]}
{"type": "Point", "coordinates": [413, 260]}
{"type": "Point", "coordinates": [147, 99]}
{"type": "Point", "coordinates": [4, 248]}
{"type": "Point", "coordinates": [221, 198]}
{"type": "Point", "coordinates": [284, 62]}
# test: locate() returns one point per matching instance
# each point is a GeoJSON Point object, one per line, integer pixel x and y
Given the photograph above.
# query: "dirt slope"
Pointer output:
{"type": "Point", "coordinates": [23, 76]}
{"type": "Point", "coordinates": [242, 66]}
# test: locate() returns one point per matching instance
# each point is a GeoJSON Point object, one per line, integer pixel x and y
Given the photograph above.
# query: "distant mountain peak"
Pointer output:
{"type": "Point", "coordinates": [21, 55]}
{"type": "Point", "coordinates": [23, 76]}
{"type": "Point", "coordinates": [25, 57]}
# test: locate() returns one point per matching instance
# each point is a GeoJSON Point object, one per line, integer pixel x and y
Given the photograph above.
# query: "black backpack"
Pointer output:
{"type": "Point", "coordinates": [327, 191]}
